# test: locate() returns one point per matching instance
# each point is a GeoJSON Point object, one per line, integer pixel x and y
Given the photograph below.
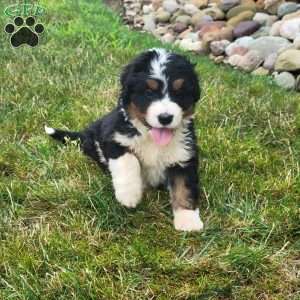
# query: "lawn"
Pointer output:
{"type": "Point", "coordinates": [63, 235]}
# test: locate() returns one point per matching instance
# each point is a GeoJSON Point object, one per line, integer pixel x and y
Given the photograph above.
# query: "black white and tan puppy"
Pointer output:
{"type": "Point", "coordinates": [149, 139]}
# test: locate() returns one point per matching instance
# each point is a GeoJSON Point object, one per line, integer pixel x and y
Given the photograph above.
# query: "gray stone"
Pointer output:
{"type": "Point", "coordinates": [214, 12]}
{"type": "Point", "coordinates": [160, 30]}
{"type": "Point", "coordinates": [149, 23]}
{"type": "Point", "coordinates": [262, 31]}
{"type": "Point", "coordinates": [218, 47]}
{"type": "Point", "coordinates": [197, 18]}
{"type": "Point", "coordinates": [297, 42]}
{"type": "Point", "coordinates": [270, 61]}
{"type": "Point", "coordinates": [179, 27]}
{"type": "Point", "coordinates": [147, 9]}
{"type": "Point", "coordinates": [184, 19]}
{"type": "Point", "coordinates": [269, 44]}
{"type": "Point", "coordinates": [285, 80]}
{"type": "Point", "coordinates": [190, 9]}
{"type": "Point", "coordinates": [168, 38]}
{"type": "Point", "coordinates": [225, 5]}
{"type": "Point", "coordinates": [162, 16]}
{"type": "Point", "coordinates": [297, 85]}
{"type": "Point", "coordinates": [264, 19]}
{"type": "Point", "coordinates": [243, 42]}
{"type": "Point", "coordinates": [170, 6]}
{"type": "Point", "coordinates": [290, 28]}
{"type": "Point", "coordinates": [286, 8]}
{"type": "Point", "coordinates": [188, 44]}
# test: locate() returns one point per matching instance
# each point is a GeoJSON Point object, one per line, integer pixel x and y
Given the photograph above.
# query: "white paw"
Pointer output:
{"type": "Point", "coordinates": [128, 198]}
{"type": "Point", "coordinates": [187, 220]}
{"type": "Point", "coordinates": [127, 179]}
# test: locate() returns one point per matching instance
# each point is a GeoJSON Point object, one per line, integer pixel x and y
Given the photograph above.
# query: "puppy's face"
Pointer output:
{"type": "Point", "coordinates": [160, 89]}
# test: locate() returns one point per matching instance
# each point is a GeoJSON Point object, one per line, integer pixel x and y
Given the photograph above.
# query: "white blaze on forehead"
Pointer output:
{"type": "Point", "coordinates": [158, 65]}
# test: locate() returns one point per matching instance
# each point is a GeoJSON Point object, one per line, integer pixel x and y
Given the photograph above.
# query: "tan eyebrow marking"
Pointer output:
{"type": "Point", "coordinates": [177, 84]}
{"type": "Point", "coordinates": [152, 84]}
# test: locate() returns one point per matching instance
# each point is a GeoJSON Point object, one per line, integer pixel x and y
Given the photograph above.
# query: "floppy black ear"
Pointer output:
{"type": "Point", "coordinates": [125, 75]}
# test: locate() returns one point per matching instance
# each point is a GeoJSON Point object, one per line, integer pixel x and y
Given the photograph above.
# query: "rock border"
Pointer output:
{"type": "Point", "coordinates": [257, 36]}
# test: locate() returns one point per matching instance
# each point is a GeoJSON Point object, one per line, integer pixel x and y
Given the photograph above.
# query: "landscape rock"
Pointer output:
{"type": "Point", "coordinates": [297, 42]}
{"type": "Point", "coordinates": [264, 19]}
{"type": "Point", "coordinates": [219, 59]}
{"type": "Point", "coordinates": [270, 61]}
{"type": "Point", "coordinates": [235, 60]}
{"type": "Point", "coordinates": [239, 9]}
{"type": "Point", "coordinates": [168, 38]}
{"type": "Point", "coordinates": [199, 3]}
{"type": "Point", "coordinates": [261, 32]}
{"type": "Point", "coordinates": [291, 16]}
{"type": "Point", "coordinates": [162, 15]}
{"type": "Point", "coordinates": [243, 16]}
{"type": "Point", "coordinates": [156, 4]}
{"type": "Point", "coordinates": [271, 6]}
{"type": "Point", "coordinates": [260, 72]}
{"type": "Point", "coordinates": [297, 84]}
{"type": "Point", "coordinates": [243, 43]}
{"type": "Point", "coordinates": [179, 27]}
{"type": "Point", "coordinates": [211, 27]}
{"type": "Point", "coordinates": [190, 9]}
{"type": "Point", "coordinates": [170, 6]}
{"type": "Point", "coordinates": [187, 44]}
{"type": "Point", "coordinates": [275, 28]}
{"type": "Point", "coordinates": [184, 19]}
{"type": "Point", "coordinates": [288, 60]}
{"type": "Point", "coordinates": [149, 22]}
{"type": "Point", "coordinates": [197, 18]}
{"type": "Point", "coordinates": [286, 8]}
{"type": "Point", "coordinates": [225, 5]}
{"type": "Point", "coordinates": [225, 33]}
{"type": "Point", "coordinates": [161, 30]}
{"type": "Point", "coordinates": [290, 28]}
{"type": "Point", "coordinates": [245, 28]}
{"type": "Point", "coordinates": [250, 61]}
{"type": "Point", "coordinates": [285, 80]}
{"type": "Point", "coordinates": [147, 9]}
{"type": "Point", "coordinates": [214, 12]}
{"type": "Point", "coordinates": [218, 47]}
{"type": "Point", "coordinates": [184, 34]}
{"type": "Point", "coordinates": [238, 50]}
{"type": "Point", "coordinates": [268, 45]}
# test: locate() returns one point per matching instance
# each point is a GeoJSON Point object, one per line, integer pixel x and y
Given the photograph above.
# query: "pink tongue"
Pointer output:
{"type": "Point", "coordinates": [161, 136]}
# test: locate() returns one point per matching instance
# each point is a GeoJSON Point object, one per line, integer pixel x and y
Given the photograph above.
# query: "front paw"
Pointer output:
{"type": "Point", "coordinates": [187, 220]}
{"type": "Point", "coordinates": [128, 197]}
{"type": "Point", "coordinates": [127, 179]}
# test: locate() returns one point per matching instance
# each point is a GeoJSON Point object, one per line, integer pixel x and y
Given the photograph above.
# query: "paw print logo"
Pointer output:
{"type": "Point", "coordinates": [24, 33]}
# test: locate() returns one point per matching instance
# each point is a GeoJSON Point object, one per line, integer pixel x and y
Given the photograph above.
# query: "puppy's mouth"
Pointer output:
{"type": "Point", "coordinates": [161, 136]}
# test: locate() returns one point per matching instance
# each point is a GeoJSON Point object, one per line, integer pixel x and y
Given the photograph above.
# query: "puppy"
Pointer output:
{"type": "Point", "coordinates": [149, 139]}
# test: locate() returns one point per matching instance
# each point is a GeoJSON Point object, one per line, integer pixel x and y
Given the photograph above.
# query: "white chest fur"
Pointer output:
{"type": "Point", "coordinates": [154, 159]}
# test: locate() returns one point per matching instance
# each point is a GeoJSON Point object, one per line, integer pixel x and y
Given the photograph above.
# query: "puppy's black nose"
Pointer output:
{"type": "Point", "coordinates": [165, 119]}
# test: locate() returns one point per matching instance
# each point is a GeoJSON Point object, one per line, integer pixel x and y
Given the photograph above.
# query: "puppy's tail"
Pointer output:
{"type": "Point", "coordinates": [63, 136]}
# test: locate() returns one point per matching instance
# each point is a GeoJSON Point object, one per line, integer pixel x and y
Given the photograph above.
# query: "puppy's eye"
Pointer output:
{"type": "Point", "coordinates": [177, 84]}
{"type": "Point", "coordinates": [152, 85]}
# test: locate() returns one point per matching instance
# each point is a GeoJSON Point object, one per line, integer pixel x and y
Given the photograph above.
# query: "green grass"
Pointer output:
{"type": "Point", "coordinates": [63, 235]}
